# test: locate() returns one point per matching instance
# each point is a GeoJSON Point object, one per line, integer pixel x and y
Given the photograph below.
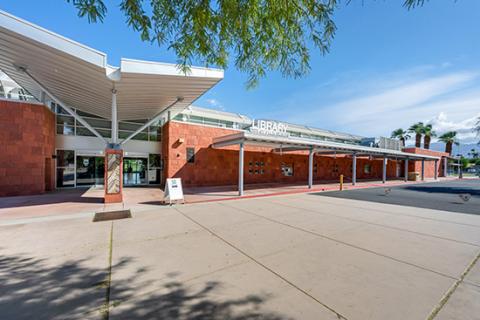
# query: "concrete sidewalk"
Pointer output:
{"type": "Point", "coordinates": [288, 257]}
{"type": "Point", "coordinates": [66, 203]}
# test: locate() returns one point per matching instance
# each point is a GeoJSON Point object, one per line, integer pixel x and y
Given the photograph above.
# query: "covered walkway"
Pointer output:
{"type": "Point", "coordinates": [286, 143]}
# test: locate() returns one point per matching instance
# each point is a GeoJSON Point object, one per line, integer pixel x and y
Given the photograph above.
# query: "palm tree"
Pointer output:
{"type": "Point", "coordinates": [428, 134]}
{"type": "Point", "coordinates": [401, 135]}
{"type": "Point", "coordinates": [450, 138]}
{"type": "Point", "coordinates": [417, 128]}
{"type": "Point", "coordinates": [474, 153]}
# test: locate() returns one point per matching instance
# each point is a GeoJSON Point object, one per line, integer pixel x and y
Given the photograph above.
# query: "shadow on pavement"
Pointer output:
{"type": "Point", "coordinates": [449, 190]}
{"type": "Point", "coordinates": [32, 288]}
{"type": "Point", "coordinates": [59, 196]}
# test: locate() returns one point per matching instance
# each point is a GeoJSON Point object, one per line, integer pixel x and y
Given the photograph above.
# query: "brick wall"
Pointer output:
{"type": "Point", "coordinates": [27, 143]}
{"type": "Point", "coordinates": [220, 166]}
{"type": "Point", "coordinates": [416, 166]}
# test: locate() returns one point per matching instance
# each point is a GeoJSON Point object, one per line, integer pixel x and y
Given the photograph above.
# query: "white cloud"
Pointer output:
{"type": "Point", "coordinates": [442, 124]}
{"type": "Point", "coordinates": [215, 104]}
{"type": "Point", "coordinates": [375, 105]}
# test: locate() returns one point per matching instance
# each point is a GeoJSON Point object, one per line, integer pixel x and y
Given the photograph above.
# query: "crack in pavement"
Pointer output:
{"type": "Point", "coordinates": [344, 243]}
{"type": "Point", "coordinates": [339, 316]}
{"type": "Point", "coordinates": [105, 309]}
{"type": "Point", "coordinates": [372, 223]}
{"type": "Point", "coordinates": [433, 314]}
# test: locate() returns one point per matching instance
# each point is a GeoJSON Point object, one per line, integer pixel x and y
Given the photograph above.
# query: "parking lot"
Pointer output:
{"type": "Point", "coordinates": [451, 195]}
{"type": "Point", "coordinates": [301, 256]}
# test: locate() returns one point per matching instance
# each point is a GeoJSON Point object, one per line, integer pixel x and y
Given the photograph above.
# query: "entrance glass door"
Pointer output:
{"type": "Point", "coordinates": [134, 171]}
{"type": "Point", "coordinates": [90, 170]}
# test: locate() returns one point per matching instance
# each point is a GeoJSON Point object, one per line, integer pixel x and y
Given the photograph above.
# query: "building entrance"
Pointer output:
{"type": "Point", "coordinates": [90, 170]}
{"type": "Point", "coordinates": [134, 171]}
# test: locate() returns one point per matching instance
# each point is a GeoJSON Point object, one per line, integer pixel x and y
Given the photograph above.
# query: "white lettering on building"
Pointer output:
{"type": "Point", "coordinates": [271, 128]}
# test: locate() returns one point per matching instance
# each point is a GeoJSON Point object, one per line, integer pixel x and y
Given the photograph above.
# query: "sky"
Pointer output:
{"type": "Point", "coordinates": [388, 67]}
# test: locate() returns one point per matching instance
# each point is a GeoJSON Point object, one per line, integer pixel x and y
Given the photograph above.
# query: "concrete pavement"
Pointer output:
{"type": "Point", "coordinates": [287, 257]}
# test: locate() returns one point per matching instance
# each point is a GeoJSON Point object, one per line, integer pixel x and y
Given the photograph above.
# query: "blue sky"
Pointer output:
{"type": "Point", "coordinates": [388, 67]}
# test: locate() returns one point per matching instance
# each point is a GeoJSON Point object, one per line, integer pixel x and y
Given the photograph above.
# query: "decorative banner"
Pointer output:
{"type": "Point", "coordinates": [113, 173]}
{"type": "Point", "coordinates": [269, 128]}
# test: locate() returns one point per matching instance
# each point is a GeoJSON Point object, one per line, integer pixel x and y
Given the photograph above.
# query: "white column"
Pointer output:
{"type": "Point", "coordinates": [310, 168]}
{"type": "Point", "coordinates": [445, 163]}
{"type": "Point", "coordinates": [354, 169]}
{"type": "Point", "coordinates": [240, 170]}
{"type": "Point", "coordinates": [114, 118]}
{"type": "Point", "coordinates": [406, 170]}
{"type": "Point", "coordinates": [423, 169]}
{"type": "Point", "coordinates": [435, 174]}
{"type": "Point", "coordinates": [384, 171]}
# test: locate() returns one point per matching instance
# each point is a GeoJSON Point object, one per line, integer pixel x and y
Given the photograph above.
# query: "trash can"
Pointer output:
{"type": "Point", "coordinates": [413, 176]}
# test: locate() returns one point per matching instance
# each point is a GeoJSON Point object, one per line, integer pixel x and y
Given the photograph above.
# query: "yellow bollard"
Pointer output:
{"type": "Point", "coordinates": [341, 182]}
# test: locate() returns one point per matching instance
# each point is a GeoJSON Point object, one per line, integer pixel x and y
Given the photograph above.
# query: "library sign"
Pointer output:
{"type": "Point", "coordinates": [269, 128]}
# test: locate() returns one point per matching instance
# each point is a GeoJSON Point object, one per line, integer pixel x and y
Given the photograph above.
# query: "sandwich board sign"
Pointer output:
{"type": "Point", "coordinates": [173, 190]}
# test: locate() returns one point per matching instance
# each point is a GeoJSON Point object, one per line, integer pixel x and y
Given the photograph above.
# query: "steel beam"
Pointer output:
{"type": "Point", "coordinates": [445, 166]}
{"type": "Point", "coordinates": [406, 170]}
{"type": "Point", "coordinates": [354, 169]}
{"type": "Point", "coordinates": [384, 170]}
{"type": "Point", "coordinates": [423, 169]}
{"type": "Point", "coordinates": [151, 121]}
{"type": "Point", "coordinates": [114, 117]}
{"type": "Point", "coordinates": [310, 168]}
{"type": "Point", "coordinates": [240, 169]}
{"type": "Point", "coordinates": [63, 105]}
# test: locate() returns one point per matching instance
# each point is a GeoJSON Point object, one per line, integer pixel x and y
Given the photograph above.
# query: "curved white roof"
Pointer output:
{"type": "Point", "coordinates": [80, 76]}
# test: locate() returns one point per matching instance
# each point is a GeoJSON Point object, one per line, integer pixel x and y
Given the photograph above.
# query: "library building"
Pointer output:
{"type": "Point", "coordinates": [68, 119]}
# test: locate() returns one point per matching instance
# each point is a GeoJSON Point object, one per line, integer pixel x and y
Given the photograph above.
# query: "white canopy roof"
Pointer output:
{"type": "Point", "coordinates": [295, 143]}
{"type": "Point", "coordinates": [80, 77]}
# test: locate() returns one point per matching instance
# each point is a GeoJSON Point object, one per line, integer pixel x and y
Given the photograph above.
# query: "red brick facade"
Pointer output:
{"type": "Point", "coordinates": [27, 143]}
{"type": "Point", "coordinates": [220, 166]}
{"type": "Point", "coordinates": [416, 166]}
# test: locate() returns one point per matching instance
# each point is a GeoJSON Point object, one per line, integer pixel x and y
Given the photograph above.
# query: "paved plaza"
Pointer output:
{"type": "Point", "coordinates": [299, 256]}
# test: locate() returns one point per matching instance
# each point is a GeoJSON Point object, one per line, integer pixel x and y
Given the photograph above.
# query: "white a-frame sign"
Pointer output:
{"type": "Point", "coordinates": [173, 190]}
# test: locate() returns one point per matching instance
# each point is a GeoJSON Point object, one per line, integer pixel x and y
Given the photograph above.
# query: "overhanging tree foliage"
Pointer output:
{"type": "Point", "coordinates": [259, 35]}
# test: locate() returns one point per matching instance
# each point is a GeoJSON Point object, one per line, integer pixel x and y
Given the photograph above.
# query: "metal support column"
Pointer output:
{"type": "Point", "coordinates": [384, 171]}
{"type": "Point", "coordinates": [435, 174]}
{"type": "Point", "coordinates": [354, 169]}
{"type": "Point", "coordinates": [423, 169]}
{"type": "Point", "coordinates": [406, 170]}
{"type": "Point", "coordinates": [114, 118]}
{"type": "Point", "coordinates": [445, 163]}
{"type": "Point", "coordinates": [153, 120]}
{"type": "Point", "coordinates": [240, 170]}
{"type": "Point", "coordinates": [310, 168]}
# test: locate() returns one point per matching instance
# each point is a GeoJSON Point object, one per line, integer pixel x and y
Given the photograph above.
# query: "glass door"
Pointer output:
{"type": "Point", "coordinates": [134, 171]}
{"type": "Point", "coordinates": [154, 168]}
{"type": "Point", "coordinates": [90, 170]}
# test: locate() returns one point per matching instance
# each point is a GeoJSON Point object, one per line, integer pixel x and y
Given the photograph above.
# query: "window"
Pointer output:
{"type": "Point", "coordinates": [65, 168]}
{"type": "Point", "coordinates": [190, 155]}
{"type": "Point", "coordinates": [367, 168]}
{"type": "Point", "coordinates": [287, 170]}
{"type": "Point", "coordinates": [2, 91]}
